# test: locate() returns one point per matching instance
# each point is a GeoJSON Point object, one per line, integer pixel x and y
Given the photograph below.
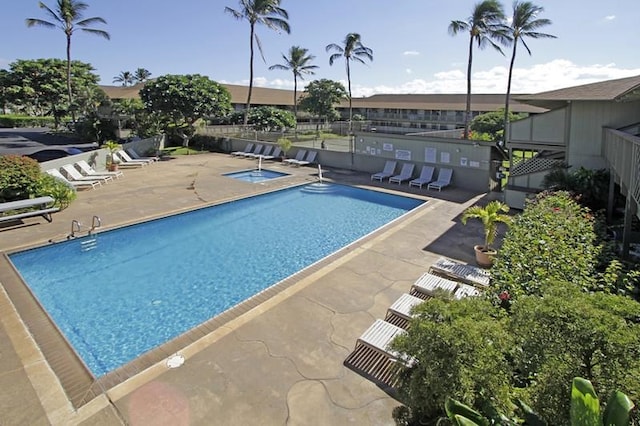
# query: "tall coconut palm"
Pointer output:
{"type": "Point", "coordinates": [352, 49]}
{"type": "Point", "coordinates": [265, 12]}
{"type": "Point", "coordinates": [68, 16]}
{"type": "Point", "coordinates": [525, 23]}
{"type": "Point", "coordinates": [298, 62]}
{"type": "Point", "coordinates": [485, 25]}
{"type": "Point", "coordinates": [141, 75]}
{"type": "Point", "coordinates": [125, 78]}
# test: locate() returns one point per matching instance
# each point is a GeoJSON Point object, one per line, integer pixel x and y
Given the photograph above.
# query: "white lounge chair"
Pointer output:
{"type": "Point", "coordinates": [87, 170]}
{"type": "Point", "coordinates": [403, 305]}
{"type": "Point", "coordinates": [266, 152]}
{"type": "Point", "coordinates": [127, 162]}
{"type": "Point", "coordinates": [379, 337]}
{"type": "Point", "coordinates": [405, 174]}
{"type": "Point", "coordinates": [444, 179]}
{"type": "Point", "coordinates": [428, 284]}
{"type": "Point", "coordinates": [466, 290]}
{"type": "Point", "coordinates": [299, 157]}
{"type": "Point", "coordinates": [78, 184]}
{"type": "Point", "coordinates": [461, 272]}
{"type": "Point", "coordinates": [309, 159]}
{"type": "Point", "coordinates": [388, 171]}
{"type": "Point", "coordinates": [277, 152]}
{"type": "Point", "coordinates": [247, 149]}
{"type": "Point", "coordinates": [254, 154]}
{"type": "Point", "coordinates": [426, 176]}
{"type": "Point", "coordinates": [73, 174]}
{"type": "Point", "coordinates": [134, 155]}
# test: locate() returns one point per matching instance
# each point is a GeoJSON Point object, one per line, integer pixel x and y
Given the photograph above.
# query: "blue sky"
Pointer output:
{"type": "Point", "coordinates": [413, 52]}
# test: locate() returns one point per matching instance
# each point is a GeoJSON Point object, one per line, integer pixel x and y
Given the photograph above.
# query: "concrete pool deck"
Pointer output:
{"type": "Point", "coordinates": [280, 362]}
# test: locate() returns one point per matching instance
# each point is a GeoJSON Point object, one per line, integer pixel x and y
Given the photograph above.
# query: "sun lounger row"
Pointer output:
{"type": "Point", "coordinates": [259, 151]}
{"type": "Point", "coordinates": [406, 173]}
{"type": "Point", "coordinates": [303, 158]}
{"type": "Point", "coordinates": [81, 175]}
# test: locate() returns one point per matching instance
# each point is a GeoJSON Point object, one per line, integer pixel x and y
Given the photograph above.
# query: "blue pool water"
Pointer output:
{"type": "Point", "coordinates": [142, 285]}
{"type": "Point", "coordinates": [255, 176]}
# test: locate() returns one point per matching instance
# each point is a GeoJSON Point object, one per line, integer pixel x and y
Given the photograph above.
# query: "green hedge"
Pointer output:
{"type": "Point", "coordinates": [25, 121]}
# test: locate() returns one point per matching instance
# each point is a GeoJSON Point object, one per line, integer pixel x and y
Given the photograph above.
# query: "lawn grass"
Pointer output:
{"type": "Point", "coordinates": [181, 150]}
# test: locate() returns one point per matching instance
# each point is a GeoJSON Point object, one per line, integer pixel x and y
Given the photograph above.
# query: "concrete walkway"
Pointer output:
{"type": "Point", "coordinates": [279, 363]}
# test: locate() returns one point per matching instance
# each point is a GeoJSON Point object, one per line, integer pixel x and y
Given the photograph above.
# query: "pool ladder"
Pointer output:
{"type": "Point", "coordinates": [91, 242]}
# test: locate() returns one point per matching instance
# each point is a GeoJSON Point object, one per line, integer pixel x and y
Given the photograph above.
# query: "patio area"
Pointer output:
{"type": "Point", "coordinates": [278, 362]}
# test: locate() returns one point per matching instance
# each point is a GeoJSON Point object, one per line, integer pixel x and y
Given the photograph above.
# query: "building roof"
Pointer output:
{"type": "Point", "coordinates": [280, 97]}
{"type": "Point", "coordinates": [622, 89]}
{"type": "Point", "coordinates": [441, 101]}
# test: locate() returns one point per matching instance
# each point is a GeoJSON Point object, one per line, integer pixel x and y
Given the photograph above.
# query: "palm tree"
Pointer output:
{"type": "Point", "coordinates": [524, 24]}
{"type": "Point", "coordinates": [141, 75]}
{"type": "Point", "coordinates": [68, 17]}
{"type": "Point", "coordinates": [265, 12]}
{"type": "Point", "coordinates": [125, 77]}
{"type": "Point", "coordinates": [485, 24]}
{"type": "Point", "coordinates": [298, 63]}
{"type": "Point", "coordinates": [352, 50]}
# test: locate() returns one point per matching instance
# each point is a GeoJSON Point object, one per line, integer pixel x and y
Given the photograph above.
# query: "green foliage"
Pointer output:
{"type": "Point", "coordinates": [321, 96]}
{"type": "Point", "coordinates": [182, 100]}
{"type": "Point", "coordinates": [567, 333]}
{"type": "Point", "coordinates": [266, 119]}
{"type": "Point", "coordinates": [490, 215]}
{"type": "Point", "coordinates": [113, 147]}
{"type": "Point", "coordinates": [285, 145]}
{"type": "Point", "coordinates": [590, 187]}
{"type": "Point", "coordinates": [492, 124]}
{"type": "Point", "coordinates": [552, 240]}
{"type": "Point", "coordinates": [585, 406]}
{"type": "Point", "coordinates": [11, 121]}
{"type": "Point", "coordinates": [461, 349]}
{"type": "Point", "coordinates": [18, 177]}
{"type": "Point", "coordinates": [62, 192]}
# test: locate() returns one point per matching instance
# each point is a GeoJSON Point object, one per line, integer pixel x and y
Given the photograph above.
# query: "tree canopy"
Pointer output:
{"type": "Point", "coordinates": [321, 97]}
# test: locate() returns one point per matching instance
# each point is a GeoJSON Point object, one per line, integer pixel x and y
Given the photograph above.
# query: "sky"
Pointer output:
{"type": "Point", "coordinates": [413, 51]}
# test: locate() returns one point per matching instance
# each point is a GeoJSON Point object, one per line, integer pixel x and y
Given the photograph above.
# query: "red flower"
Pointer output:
{"type": "Point", "coordinates": [504, 296]}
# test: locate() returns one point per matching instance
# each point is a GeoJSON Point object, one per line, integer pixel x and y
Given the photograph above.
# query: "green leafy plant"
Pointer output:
{"type": "Point", "coordinates": [62, 193]}
{"type": "Point", "coordinates": [285, 145]}
{"type": "Point", "coordinates": [19, 177]}
{"type": "Point", "coordinates": [585, 406]}
{"type": "Point", "coordinates": [113, 147]}
{"type": "Point", "coordinates": [490, 215]}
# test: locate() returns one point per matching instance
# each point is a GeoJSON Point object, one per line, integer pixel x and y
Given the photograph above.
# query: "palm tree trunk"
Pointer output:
{"type": "Point", "coordinates": [248, 105]}
{"type": "Point", "coordinates": [295, 104]}
{"type": "Point", "coordinates": [73, 113]}
{"type": "Point", "coordinates": [349, 84]}
{"type": "Point", "coordinates": [467, 114]}
{"type": "Point", "coordinates": [506, 101]}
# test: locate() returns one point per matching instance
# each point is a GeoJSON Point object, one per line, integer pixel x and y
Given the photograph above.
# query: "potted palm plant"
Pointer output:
{"type": "Point", "coordinates": [490, 215]}
{"type": "Point", "coordinates": [112, 162]}
{"type": "Point", "coordinates": [285, 145]}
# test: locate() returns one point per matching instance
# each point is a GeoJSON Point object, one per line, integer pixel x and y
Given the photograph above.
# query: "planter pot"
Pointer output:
{"type": "Point", "coordinates": [112, 167]}
{"type": "Point", "coordinates": [484, 256]}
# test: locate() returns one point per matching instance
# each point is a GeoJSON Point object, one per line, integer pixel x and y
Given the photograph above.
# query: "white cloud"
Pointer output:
{"type": "Point", "coordinates": [610, 17]}
{"type": "Point", "coordinates": [410, 53]}
{"type": "Point", "coordinates": [556, 74]}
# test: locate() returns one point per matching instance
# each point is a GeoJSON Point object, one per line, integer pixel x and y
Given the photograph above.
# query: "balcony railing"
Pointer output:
{"type": "Point", "coordinates": [622, 151]}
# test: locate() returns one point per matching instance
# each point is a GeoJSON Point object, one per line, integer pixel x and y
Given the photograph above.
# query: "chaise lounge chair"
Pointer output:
{"type": "Point", "coordinates": [379, 337]}
{"type": "Point", "coordinates": [128, 162]}
{"type": "Point", "coordinates": [388, 171]}
{"type": "Point", "coordinates": [461, 272]}
{"type": "Point", "coordinates": [299, 157]}
{"type": "Point", "coordinates": [254, 154]}
{"type": "Point", "coordinates": [89, 171]}
{"type": "Point", "coordinates": [310, 159]}
{"type": "Point", "coordinates": [465, 290]}
{"type": "Point", "coordinates": [402, 306]}
{"type": "Point", "coordinates": [444, 179]}
{"type": "Point", "coordinates": [277, 152]}
{"type": "Point", "coordinates": [429, 284]}
{"type": "Point", "coordinates": [426, 176]}
{"type": "Point", "coordinates": [73, 174]}
{"type": "Point", "coordinates": [78, 184]}
{"type": "Point", "coordinates": [135, 156]}
{"type": "Point", "coordinates": [405, 174]}
{"type": "Point", "coordinates": [266, 152]}
{"type": "Point", "coordinates": [247, 149]}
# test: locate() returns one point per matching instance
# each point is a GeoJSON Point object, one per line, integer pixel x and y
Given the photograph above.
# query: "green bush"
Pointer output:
{"type": "Point", "coordinates": [11, 121]}
{"type": "Point", "coordinates": [63, 193]}
{"type": "Point", "coordinates": [18, 177]}
{"type": "Point", "coordinates": [553, 239]}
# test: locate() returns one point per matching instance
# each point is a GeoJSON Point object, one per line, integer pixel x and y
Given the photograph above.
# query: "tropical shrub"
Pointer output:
{"type": "Point", "coordinates": [461, 349]}
{"type": "Point", "coordinates": [11, 121]}
{"type": "Point", "coordinates": [63, 193]}
{"type": "Point", "coordinates": [552, 240]}
{"type": "Point", "coordinates": [589, 187]}
{"type": "Point", "coordinates": [18, 177]}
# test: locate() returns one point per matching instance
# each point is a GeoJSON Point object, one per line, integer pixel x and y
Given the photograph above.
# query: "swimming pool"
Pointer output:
{"type": "Point", "coordinates": [139, 286]}
{"type": "Point", "coordinates": [256, 176]}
